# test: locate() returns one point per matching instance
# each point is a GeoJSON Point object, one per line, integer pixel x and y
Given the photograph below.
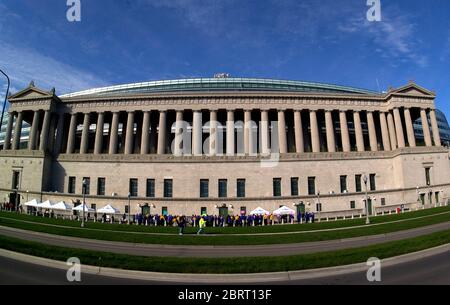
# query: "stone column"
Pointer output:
{"type": "Point", "coordinates": [315, 140]}
{"type": "Point", "coordinates": [409, 128]}
{"type": "Point", "coordinates": [435, 128]}
{"type": "Point", "coordinates": [282, 140]}
{"type": "Point", "coordinates": [85, 134]}
{"type": "Point", "coordinates": [230, 133]}
{"type": "Point", "coordinates": [8, 135]}
{"type": "Point", "coordinates": [344, 131]}
{"type": "Point", "coordinates": [426, 128]}
{"type": "Point", "coordinates": [72, 134]}
{"type": "Point", "coordinates": [98, 147]}
{"type": "Point", "coordinates": [299, 143]}
{"type": "Point", "coordinates": [399, 128]}
{"type": "Point", "coordinates": [178, 143]}
{"type": "Point", "coordinates": [114, 137]}
{"type": "Point", "coordinates": [392, 133]}
{"type": "Point", "coordinates": [129, 137]}
{"type": "Point", "coordinates": [358, 131]}
{"type": "Point", "coordinates": [32, 141]}
{"type": "Point", "coordinates": [385, 132]}
{"type": "Point", "coordinates": [265, 148]}
{"type": "Point", "coordinates": [162, 134]}
{"type": "Point", "coordinates": [59, 134]}
{"type": "Point", "coordinates": [247, 126]}
{"type": "Point", "coordinates": [145, 133]}
{"type": "Point", "coordinates": [18, 131]}
{"type": "Point", "coordinates": [331, 142]}
{"type": "Point", "coordinates": [372, 132]}
{"type": "Point", "coordinates": [197, 133]}
{"type": "Point", "coordinates": [45, 131]}
{"type": "Point", "coordinates": [213, 133]}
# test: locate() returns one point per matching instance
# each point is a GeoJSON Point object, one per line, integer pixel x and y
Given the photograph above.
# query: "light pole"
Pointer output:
{"type": "Point", "coordinates": [27, 194]}
{"type": "Point", "coordinates": [83, 190]}
{"type": "Point", "coordinates": [129, 212]}
{"type": "Point", "coordinates": [367, 201]}
{"type": "Point", "coordinates": [6, 98]}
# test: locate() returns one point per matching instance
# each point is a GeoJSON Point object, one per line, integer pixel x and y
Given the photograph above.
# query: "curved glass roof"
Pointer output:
{"type": "Point", "coordinates": [219, 84]}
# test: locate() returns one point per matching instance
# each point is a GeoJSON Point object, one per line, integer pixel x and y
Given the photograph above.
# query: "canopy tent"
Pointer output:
{"type": "Point", "coordinates": [84, 207]}
{"type": "Point", "coordinates": [46, 205]}
{"type": "Point", "coordinates": [33, 203]}
{"type": "Point", "coordinates": [62, 206]}
{"type": "Point", "coordinates": [108, 209]}
{"type": "Point", "coordinates": [259, 211]}
{"type": "Point", "coordinates": [284, 210]}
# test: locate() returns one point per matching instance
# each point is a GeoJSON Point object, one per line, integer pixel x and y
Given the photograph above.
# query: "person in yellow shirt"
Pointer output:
{"type": "Point", "coordinates": [202, 225]}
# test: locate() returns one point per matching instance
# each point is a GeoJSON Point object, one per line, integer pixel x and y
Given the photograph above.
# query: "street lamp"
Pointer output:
{"type": "Point", "coordinates": [367, 201]}
{"type": "Point", "coordinates": [27, 194]}
{"type": "Point", "coordinates": [83, 190]}
{"type": "Point", "coordinates": [129, 220]}
{"type": "Point", "coordinates": [6, 98]}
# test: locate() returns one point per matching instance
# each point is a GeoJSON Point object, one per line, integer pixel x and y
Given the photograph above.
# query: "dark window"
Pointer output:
{"type": "Point", "coordinates": [126, 209]}
{"type": "Point", "coordinates": [276, 187]}
{"type": "Point", "coordinates": [101, 186]}
{"type": "Point", "coordinates": [133, 187]}
{"type": "Point", "coordinates": [240, 187]}
{"type": "Point", "coordinates": [243, 210]}
{"type": "Point", "coordinates": [150, 192]}
{"type": "Point", "coordinates": [343, 184]}
{"type": "Point", "coordinates": [352, 204]}
{"type": "Point", "coordinates": [383, 201]}
{"type": "Point", "coordinates": [168, 188]}
{"type": "Point", "coordinates": [203, 211]}
{"type": "Point", "coordinates": [311, 186]}
{"type": "Point", "coordinates": [94, 206]}
{"type": "Point", "coordinates": [358, 183]}
{"type": "Point", "coordinates": [294, 186]}
{"type": "Point", "coordinates": [16, 180]}
{"type": "Point", "coordinates": [223, 183]}
{"type": "Point", "coordinates": [72, 184]}
{"type": "Point", "coordinates": [204, 188]}
{"type": "Point", "coordinates": [319, 207]}
{"type": "Point", "coordinates": [427, 176]}
{"type": "Point", "coordinates": [87, 185]}
{"type": "Point", "coordinates": [373, 185]}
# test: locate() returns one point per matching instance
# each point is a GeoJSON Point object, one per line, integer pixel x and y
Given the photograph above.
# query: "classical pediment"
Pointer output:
{"type": "Point", "coordinates": [413, 89]}
{"type": "Point", "coordinates": [31, 92]}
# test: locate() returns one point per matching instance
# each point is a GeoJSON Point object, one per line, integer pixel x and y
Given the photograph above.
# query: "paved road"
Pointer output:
{"type": "Point", "coordinates": [431, 270]}
{"type": "Point", "coordinates": [218, 251]}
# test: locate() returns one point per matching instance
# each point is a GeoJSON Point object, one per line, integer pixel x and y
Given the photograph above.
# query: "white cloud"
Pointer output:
{"type": "Point", "coordinates": [24, 65]}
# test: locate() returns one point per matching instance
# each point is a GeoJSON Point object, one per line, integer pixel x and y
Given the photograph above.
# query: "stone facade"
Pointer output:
{"type": "Point", "coordinates": [324, 144]}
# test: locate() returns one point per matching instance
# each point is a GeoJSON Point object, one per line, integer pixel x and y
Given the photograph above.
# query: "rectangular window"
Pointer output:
{"type": "Point", "coordinates": [203, 211]}
{"type": "Point", "coordinates": [126, 209]}
{"type": "Point", "coordinates": [311, 186]}
{"type": "Point", "coordinates": [383, 201]}
{"type": "Point", "coordinates": [276, 187]}
{"type": "Point", "coordinates": [352, 205]}
{"type": "Point", "coordinates": [319, 207]}
{"type": "Point", "coordinates": [204, 188]}
{"type": "Point", "coordinates": [16, 180]}
{"type": "Point", "coordinates": [94, 206]}
{"type": "Point", "coordinates": [373, 185]}
{"type": "Point", "coordinates": [168, 188]}
{"type": "Point", "coordinates": [294, 186]}
{"type": "Point", "coordinates": [427, 176]}
{"type": "Point", "coordinates": [343, 180]}
{"type": "Point", "coordinates": [358, 188]}
{"type": "Point", "coordinates": [72, 184]}
{"type": "Point", "coordinates": [150, 191]}
{"type": "Point", "coordinates": [101, 186]}
{"type": "Point", "coordinates": [223, 183]}
{"type": "Point", "coordinates": [133, 187]}
{"type": "Point", "coordinates": [240, 187]}
{"type": "Point", "coordinates": [243, 210]}
{"type": "Point", "coordinates": [87, 185]}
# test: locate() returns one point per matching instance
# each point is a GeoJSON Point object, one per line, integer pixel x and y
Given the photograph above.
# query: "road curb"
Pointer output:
{"type": "Point", "coordinates": [247, 278]}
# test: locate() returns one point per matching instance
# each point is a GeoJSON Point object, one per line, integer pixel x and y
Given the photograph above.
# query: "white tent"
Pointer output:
{"type": "Point", "coordinates": [108, 209]}
{"type": "Point", "coordinates": [259, 211]}
{"type": "Point", "coordinates": [46, 205]}
{"type": "Point", "coordinates": [62, 206]}
{"type": "Point", "coordinates": [284, 210]}
{"type": "Point", "coordinates": [33, 203]}
{"type": "Point", "coordinates": [85, 207]}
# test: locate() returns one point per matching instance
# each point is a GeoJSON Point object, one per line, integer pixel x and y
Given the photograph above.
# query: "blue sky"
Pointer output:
{"type": "Point", "coordinates": [122, 41]}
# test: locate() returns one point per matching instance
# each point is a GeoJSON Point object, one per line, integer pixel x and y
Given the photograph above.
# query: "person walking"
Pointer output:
{"type": "Point", "coordinates": [202, 224]}
{"type": "Point", "coordinates": [181, 224]}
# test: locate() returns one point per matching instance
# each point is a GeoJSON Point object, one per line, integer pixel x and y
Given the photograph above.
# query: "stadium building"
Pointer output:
{"type": "Point", "coordinates": [227, 145]}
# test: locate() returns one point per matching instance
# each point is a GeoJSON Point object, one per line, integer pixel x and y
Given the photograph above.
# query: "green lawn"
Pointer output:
{"type": "Point", "coordinates": [228, 265]}
{"type": "Point", "coordinates": [228, 239]}
{"type": "Point", "coordinates": [231, 230]}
